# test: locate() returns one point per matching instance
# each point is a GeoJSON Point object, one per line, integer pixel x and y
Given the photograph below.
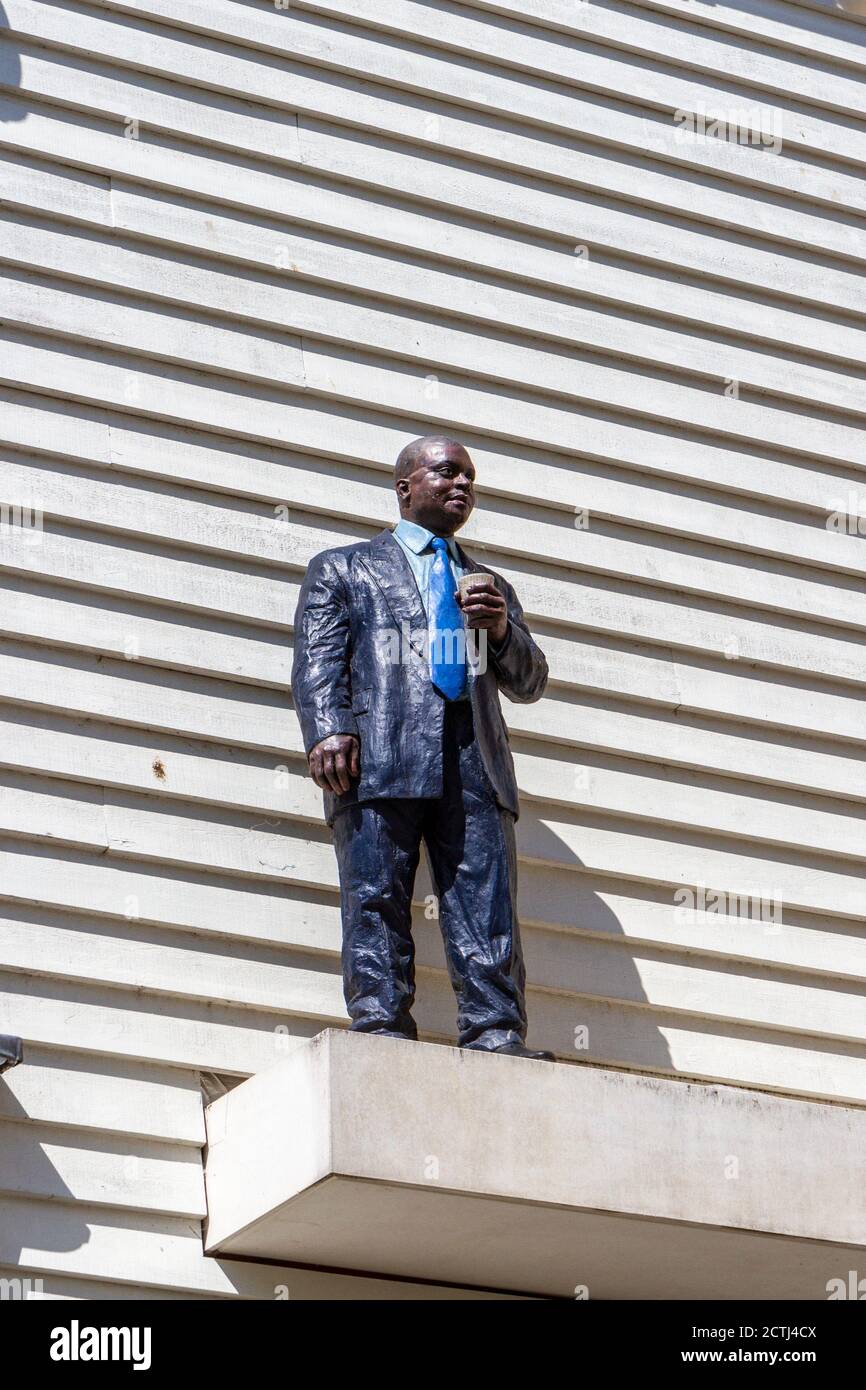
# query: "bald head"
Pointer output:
{"type": "Point", "coordinates": [435, 482]}
{"type": "Point", "coordinates": [416, 451]}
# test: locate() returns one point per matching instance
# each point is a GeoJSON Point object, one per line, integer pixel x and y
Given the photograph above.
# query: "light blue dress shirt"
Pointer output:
{"type": "Point", "coordinates": [415, 542]}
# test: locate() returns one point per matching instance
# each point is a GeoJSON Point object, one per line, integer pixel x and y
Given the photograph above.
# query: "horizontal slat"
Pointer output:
{"type": "Point", "coordinates": [138, 636]}
{"type": "Point", "coordinates": [165, 1254]}
{"type": "Point", "coordinates": [70, 814]}
{"type": "Point", "coordinates": [268, 359]}
{"type": "Point", "coordinates": [788, 223]}
{"type": "Point", "coordinates": [633, 615]}
{"type": "Point", "coordinates": [36, 1284]}
{"type": "Point", "coordinates": [303, 258]}
{"type": "Point", "coordinates": [28, 421]}
{"type": "Point", "coordinates": [627, 1035]}
{"type": "Point", "coordinates": [535, 207]}
{"type": "Point", "coordinates": [636, 852]}
{"type": "Point", "coordinates": [96, 954]}
{"type": "Point", "coordinates": [681, 742]}
{"type": "Point", "coordinates": [727, 992]}
{"type": "Point", "coordinates": [289, 481]}
{"type": "Point", "coordinates": [108, 90]}
{"type": "Point", "coordinates": [283, 537]}
{"type": "Point", "coordinates": [704, 687]}
{"type": "Point", "coordinates": [142, 330]}
{"type": "Point", "coordinates": [133, 826]}
{"type": "Point", "coordinates": [40, 1161]}
{"type": "Point", "coordinates": [626, 789]}
{"type": "Point", "coordinates": [678, 798]}
{"type": "Point", "coordinates": [829, 36]}
{"type": "Point", "coordinates": [497, 95]}
{"type": "Point", "coordinates": [333, 374]}
{"type": "Point", "coordinates": [173, 452]}
{"type": "Point", "coordinates": [166, 578]}
{"type": "Point", "coordinates": [630, 32]}
{"type": "Point", "coordinates": [153, 895]}
{"type": "Point", "coordinates": [116, 1024]}
{"type": "Point", "coordinates": [69, 1088]}
{"type": "Point", "coordinates": [130, 691]}
{"type": "Point", "coordinates": [312, 258]}
{"type": "Point", "coordinates": [603, 848]}
{"type": "Point", "coordinates": [225, 595]}
{"type": "Point", "coordinates": [58, 747]}
{"type": "Point", "coordinates": [474, 28]}
{"type": "Point", "coordinates": [121, 691]}
{"type": "Point", "coordinates": [301, 308]}
{"type": "Point", "coordinates": [554, 214]}
{"type": "Point", "coordinates": [64, 193]}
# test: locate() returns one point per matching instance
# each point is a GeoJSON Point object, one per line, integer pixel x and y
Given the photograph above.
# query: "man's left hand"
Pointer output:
{"type": "Point", "coordinates": [484, 607]}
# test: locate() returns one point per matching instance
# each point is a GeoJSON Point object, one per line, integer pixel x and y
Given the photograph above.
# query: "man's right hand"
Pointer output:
{"type": "Point", "coordinates": [334, 762]}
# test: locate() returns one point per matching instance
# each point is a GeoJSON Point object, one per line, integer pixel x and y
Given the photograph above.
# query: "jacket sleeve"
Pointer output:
{"type": "Point", "coordinates": [321, 686]}
{"type": "Point", "coordinates": [519, 664]}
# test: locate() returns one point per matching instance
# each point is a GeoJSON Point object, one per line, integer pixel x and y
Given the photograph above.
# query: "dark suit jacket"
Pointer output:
{"type": "Point", "coordinates": [361, 667]}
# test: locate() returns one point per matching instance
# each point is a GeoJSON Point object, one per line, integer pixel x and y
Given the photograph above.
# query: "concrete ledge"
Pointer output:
{"type": "Point", "coordinates": [422, 1161]}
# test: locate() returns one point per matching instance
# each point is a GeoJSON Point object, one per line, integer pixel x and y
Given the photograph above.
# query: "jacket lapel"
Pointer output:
{"type": "Point", "coordinates": [469, 565]}
{"type": "Point", "coordinates": [391, 570]}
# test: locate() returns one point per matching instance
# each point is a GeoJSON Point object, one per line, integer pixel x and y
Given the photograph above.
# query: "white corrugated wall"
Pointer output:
{"type": "Point", "coordinates": [248, 251]}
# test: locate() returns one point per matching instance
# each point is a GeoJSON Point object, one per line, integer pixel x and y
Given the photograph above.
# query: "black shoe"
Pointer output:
{"type": "Point", "coordinates": [387, 1033]}
{"type": "Point", "coordinates": [516, 1049]}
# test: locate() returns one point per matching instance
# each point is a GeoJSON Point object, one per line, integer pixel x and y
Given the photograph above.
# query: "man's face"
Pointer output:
{"type": "Point", "coordinates": [440, 493]}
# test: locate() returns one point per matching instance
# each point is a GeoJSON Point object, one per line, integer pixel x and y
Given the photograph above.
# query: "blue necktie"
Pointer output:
{"type": "Point", "coordinates": [447, 633]}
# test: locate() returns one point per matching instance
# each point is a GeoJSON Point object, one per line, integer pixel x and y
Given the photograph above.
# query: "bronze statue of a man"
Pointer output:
{"type": "Point", "coordinates": [397, 672]}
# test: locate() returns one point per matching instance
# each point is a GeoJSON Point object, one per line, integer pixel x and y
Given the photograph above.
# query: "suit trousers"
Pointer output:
{"type": "Point", "coordinates": [471, 851]}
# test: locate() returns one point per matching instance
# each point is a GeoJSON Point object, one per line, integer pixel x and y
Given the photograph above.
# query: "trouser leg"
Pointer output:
{"type": "Point", "coordinates": [378, 847]}
{"type": "Point", "coordinates": [473, 861]}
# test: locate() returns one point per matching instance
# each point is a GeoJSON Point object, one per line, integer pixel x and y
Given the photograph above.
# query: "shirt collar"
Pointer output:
{"type": "Point", "coordinates": [418, 538]}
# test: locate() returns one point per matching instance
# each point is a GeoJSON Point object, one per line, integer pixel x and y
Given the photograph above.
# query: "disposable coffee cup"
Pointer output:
{"type": "Point", "coordinates": [467, 582]}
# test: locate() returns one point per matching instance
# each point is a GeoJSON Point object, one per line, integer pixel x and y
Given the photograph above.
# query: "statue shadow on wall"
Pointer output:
{"type": "Point", "coordinates": [38, 1218]}
{"type": "Point", "coordinates": [585, 996]}
{"type": "Point", "coordinates": [10, 73]}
